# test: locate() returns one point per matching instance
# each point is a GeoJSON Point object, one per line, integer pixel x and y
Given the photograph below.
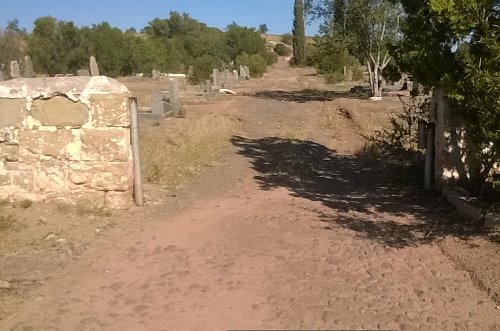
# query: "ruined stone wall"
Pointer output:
{"type": "Point", "coordinates": [455, 158]}
{"type": "Point", "coordinates": [66, 138]}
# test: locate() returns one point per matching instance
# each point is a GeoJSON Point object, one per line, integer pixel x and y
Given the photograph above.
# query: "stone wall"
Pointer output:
{"type": "Point", "coordinates": [66, 138]}
{"type": "Point", "coordinates": [455, 158]}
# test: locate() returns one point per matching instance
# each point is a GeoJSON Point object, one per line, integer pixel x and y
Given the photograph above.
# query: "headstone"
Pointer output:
{"type": "Point", "coordinates": [2, 78]}
{"type": "Point", "coordinates": [174, 94]}
{"type": "Point", "coordinates": [190, 71]}
{"type": "Point", "coordinates": [155, 74]}
{"type": "Point", "coordinates": [83, 72]}
{"type": "Point", "coordinates": [94, 68]}
{"type": "Point", "coordinates": [215, 76]}
{"type": "Point", "coordinates": [14, 70]}
{"type": "Point", "coordinates": [158, 108]}
{"type": "Point", "coordinates": [242, 73]}
{"type": "Point", "coordinates": [236, 76]}
{"type": "Point", "coordinates": [226, 78]}
{"type": "Point", "coordinates": [28, 67]}
{"type": "Point", "coordinates": [247, 72]}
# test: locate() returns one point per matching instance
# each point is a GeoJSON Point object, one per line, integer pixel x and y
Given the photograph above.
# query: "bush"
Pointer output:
{"type": "Point", "coordinates": [334, 77]}
{"type": "Point", "coordinates": [281, 50]}
{"type": "Point", "coordinates": [271, 58]}
{"type": "Point", "coordinates": [357, 73]}
{"type": "Point", "coordinates": [256, 63]}
{"type": "Point", "coordinates": [286, 39]}
{"type": "Point", "coordinates": [203, 68]}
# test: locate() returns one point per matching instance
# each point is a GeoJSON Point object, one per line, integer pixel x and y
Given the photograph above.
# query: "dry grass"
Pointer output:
{"type": "Point", "coordinates": [174, 150]}
{"type": "Point", "coordinates": [291, 128]}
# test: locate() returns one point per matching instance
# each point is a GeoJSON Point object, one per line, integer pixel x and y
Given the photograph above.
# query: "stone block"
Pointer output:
{"type": "Point", "coordinates": [110, 110]}
{"type": "Point", "coordinates": [9, 152]}
{"type": "Point", "coordinates": [492, 222]}
{"type": "Point", "coordinates": [52, 176]}
{"type": "Point", "coordinates": [60, 112]}
{"type": "Point", "coordinates": [88, 199]}
{"type": "Point", "coordinates": [9, 136]}
{"type": "Point", "coordinates": [4, 178]}
{"type": "Point", "coordinates": [111, 144]}
{"type": "Point", "coordinates": [22, 179]}
{"type": "Point", "coordinates": [118, 200]}
{"type": "Point", "coordinates": [101, 176]}
{"type": "Point", "coordinates": [48, 143]}
{"type": "Point", "coordinates": [12, 112]}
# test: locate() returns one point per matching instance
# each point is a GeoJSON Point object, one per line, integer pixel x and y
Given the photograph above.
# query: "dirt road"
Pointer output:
{"type": "Point", "coordinates": [282, 234]}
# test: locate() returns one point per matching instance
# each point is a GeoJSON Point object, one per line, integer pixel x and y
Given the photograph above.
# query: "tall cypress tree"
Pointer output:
{"type": "Point", "coordinates": [299, 35]}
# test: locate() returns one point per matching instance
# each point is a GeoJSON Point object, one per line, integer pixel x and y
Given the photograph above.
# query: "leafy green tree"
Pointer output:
{"type": "Point", "coordinates": [246, 40]}
{"type": "Point", "coordinates": [299, 35]}
{"type": "Point", "coordinates": [263, 29]}
{"type": "Point", "coordinates": [455, 45]}
{"type": "Point", "coordinates": [281, 50]}
{"type": "Point", "coordinates": [11, 42]}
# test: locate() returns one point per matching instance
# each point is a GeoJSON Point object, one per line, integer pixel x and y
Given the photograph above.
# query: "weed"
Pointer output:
{"type": "Point", "coordinates": [178, 149]}
{"type": "Point", "coordinates": [25, 204]}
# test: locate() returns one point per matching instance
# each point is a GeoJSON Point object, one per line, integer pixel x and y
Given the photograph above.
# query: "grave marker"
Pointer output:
{"type": "Point", "coordinates": [94, 68]}
{"type": "Point", "coordinates": [28, 67]}
{"type": "Point", "coordinates": [14, 69]}
{"type": "Point", "coordinates": [83, 72]}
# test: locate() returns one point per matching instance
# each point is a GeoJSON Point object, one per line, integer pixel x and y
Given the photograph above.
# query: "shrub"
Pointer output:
{"type": "Point", "coordinates": [281, 50]}
{"type": "Point", "coordinates": [286, 39]}
{"type": "Point", "coordinates": [256, 63]}
{"type": "Point", "coordinates": [203, 68]}
{"type": "Point", "coordinates": [271, 58]}
{"type": "Point", "coordinates": [334, 77]}
{"type": "Point", "coordinates": [357, 73]}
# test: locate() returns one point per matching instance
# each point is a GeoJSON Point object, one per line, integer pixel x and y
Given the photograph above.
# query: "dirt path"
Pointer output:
{"type": "Point", "coordinates": [292, 234]}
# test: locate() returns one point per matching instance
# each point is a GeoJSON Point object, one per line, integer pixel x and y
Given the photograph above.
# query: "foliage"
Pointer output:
{"type": "Point", "coordinates": [286, 39]}
{"type": "Point", "coordinates": [11, 43]}
{"type": "Point", "coordinates": [299, 35]}
{"type": "Point", "coordinates": [281, 50]}
{"type": "Point", "coordinates": [170, 45]}
{"type": "Point", "coordinates": [357, 73]}
{"type": "Point", "coordinates": [330, 56]}
{"type": "Point", "coordinates": [456, 45]}
{"type": "Point", "coordinates": [271, 58]}
{"type": "Point", "coordinates": [255, 62]}
{"type": "Point", "coordinates": [364, 27]}
{"type": "Point", "coordinates": [263, 29]}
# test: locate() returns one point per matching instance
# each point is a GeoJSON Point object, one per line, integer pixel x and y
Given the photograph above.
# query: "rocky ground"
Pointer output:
{"type": "Point", "coordinates": [290, 230]}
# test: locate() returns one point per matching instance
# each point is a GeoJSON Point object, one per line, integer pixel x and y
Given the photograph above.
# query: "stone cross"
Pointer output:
{"type": "Point", "coordinates": [14, 69]}
{"type": "Point", "coordinates": [94, 68]}
{"type": "Point", "coordinates": [28, 67]}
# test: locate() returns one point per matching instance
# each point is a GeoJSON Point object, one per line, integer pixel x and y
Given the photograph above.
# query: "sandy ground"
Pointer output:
{"type": "Point", "coordinates": [281, 234]}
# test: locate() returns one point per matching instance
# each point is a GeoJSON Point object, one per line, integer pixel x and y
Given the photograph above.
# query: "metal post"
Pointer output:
{"type": "Point", "coordinates": [136, 157]}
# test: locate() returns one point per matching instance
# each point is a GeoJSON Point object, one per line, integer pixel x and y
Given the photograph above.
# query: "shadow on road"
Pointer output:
{"type": "Point", "coordinates": [306, 95]}
{"type": "Point", "coordinates": [359, 198]}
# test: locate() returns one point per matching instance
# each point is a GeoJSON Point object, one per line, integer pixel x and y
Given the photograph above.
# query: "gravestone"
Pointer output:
{"type": "Point", "coordinates": [155, 74]}
{"type": "Point", "coordinates": [215, 76]}
{"type": "Point", "coordinates": [28, 67]}
{"type": "Point", "coordinates": [236, 76]}
{"type": "Point", "coordinates": [83, 72]}
{"type": "Point", "coordinates": [208, 86]}
{"type": "Point", "coordinates": [94, 68]}
{"type": "Point", "coordinates": [226, 78]}
{"type": "Point", "coordinates": [190, 71]}
{"type": "Point", "coordinates": [14, 69]}
{"type": "Point", "coordinates": [242, 73]}
{"type": "Point", "coordinates": [174, 94]}
{"type": "Point", "coordinates": [2, 78]}
{"type": "Point", "coordinates": [247, 72]}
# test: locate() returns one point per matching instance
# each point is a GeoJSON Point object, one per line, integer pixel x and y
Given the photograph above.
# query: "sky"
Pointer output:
{"type": "Point", "coordinates": [277, 14]}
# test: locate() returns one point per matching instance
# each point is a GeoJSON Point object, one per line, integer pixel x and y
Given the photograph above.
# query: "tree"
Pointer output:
{"type": "Point", "coordinates": [263, 29]}
{"type": "Point", "coordinates": [11, 43]}
{"type": "Point", "coordinates": [299, 35]}
{"type": "Point", "coordinates": [455, 45]}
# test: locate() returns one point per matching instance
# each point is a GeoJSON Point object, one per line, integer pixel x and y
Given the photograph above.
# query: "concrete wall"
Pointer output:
{"type": "Point", "coordinates": [66, 138]}
{"type": "Point", "coordinates": [455, 154]}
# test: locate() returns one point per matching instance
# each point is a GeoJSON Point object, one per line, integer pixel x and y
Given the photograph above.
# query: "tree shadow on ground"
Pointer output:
{"type": "Point", "coordinates": [358, 197]}
{"type": "Point", "coordinates": [306, 95]}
